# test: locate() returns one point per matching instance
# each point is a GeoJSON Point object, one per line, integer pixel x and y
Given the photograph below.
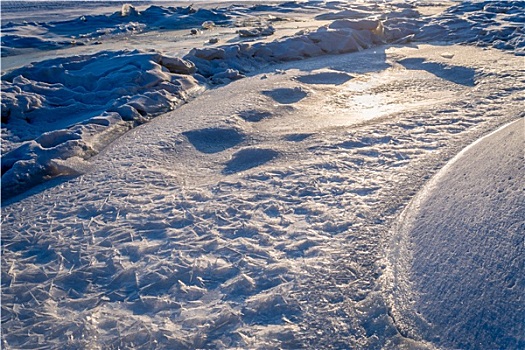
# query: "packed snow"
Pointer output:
{"type": "Point", "coordinates": [229, 175]}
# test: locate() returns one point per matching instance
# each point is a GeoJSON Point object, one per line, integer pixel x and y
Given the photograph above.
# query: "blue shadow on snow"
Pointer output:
{"type": "Point", "coordinates": [456, 74]}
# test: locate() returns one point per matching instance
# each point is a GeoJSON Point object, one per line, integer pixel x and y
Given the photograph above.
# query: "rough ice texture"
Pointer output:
{"type": "Point", "coordinates": [255, 221]}
{"type": "Point", "coordinates": [211, 62]}
{"type": "Point", "coordinates": [498, 24]}
{"type": "Point", "coordinates": [206, 228]}
{"type": "Point", "coordinates": [72, 107]}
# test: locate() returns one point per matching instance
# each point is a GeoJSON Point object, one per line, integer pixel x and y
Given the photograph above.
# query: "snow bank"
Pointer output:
{"type": "Point", "coordinates": [225, 63]}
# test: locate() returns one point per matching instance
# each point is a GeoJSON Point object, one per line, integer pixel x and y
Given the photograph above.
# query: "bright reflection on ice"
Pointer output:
{"type": "Point", "coordinates": [373, 105]}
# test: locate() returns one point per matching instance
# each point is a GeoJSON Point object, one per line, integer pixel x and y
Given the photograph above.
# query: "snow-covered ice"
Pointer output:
{"type": "Point", "coordinates": [459, 249]}
{"type": "Point", "coordinates": [72, 107]}
{"type": "Point", "coordinates": [257, 176]}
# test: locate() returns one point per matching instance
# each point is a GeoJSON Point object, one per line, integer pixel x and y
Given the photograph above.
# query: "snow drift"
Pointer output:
{"type": "Point", "coordinates": [457, 253]}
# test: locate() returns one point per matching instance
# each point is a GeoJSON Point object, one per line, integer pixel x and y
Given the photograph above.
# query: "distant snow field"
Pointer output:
{"type": "Point", "coordinates": [256, 175]}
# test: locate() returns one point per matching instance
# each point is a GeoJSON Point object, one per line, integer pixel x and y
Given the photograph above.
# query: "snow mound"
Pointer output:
{"type": "Point", "coordinates": [325, 78]}
{"type": "Point", "coordinates": [255, 32]}
{"type": "Point", "coordinates": [286, 95]}
{"type": "Point", "coordinates": [255, 115]}
{"type": "Point", "coordinates": [213, 140]}
{"type": "Point", "coordinates": [457, 253]}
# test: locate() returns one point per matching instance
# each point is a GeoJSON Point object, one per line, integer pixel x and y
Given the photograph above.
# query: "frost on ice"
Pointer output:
{"type": "Point", "coordinates": [257, 215]}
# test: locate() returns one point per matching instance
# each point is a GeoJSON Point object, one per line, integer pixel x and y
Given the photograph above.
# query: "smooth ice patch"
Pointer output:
{"type": "Point", "coordinates": [297, 137]}
{"type": "Point", "coordinates": [214, 140]}
{"type": "Point", "coordinates": [286, 95]}
{"type": "Point", "coordinates": [249, 158]}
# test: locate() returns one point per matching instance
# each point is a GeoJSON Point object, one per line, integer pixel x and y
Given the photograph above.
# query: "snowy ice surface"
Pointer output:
{"type": "Point", "coordinates": [77, 104]}
{"type": "Point", "coordinates": [259, 214]}
{"type": "Point", "coordinates": [71, 107]}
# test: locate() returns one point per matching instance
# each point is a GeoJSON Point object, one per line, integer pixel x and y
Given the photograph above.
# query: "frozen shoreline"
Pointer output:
{"type": "Point", "coordinates": [40, 98]}
{"type": "Point", "coordinates": [259, 214]}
